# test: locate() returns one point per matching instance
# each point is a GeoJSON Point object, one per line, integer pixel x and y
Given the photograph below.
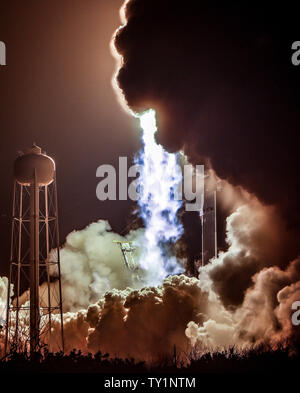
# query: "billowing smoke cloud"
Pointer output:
{"type": "Point", "coordinates": [3, 297]}
{"type": "Point", "coordinates": [183, 311]}
{"type": "Point", "coordinates": [267, 307]}
{"type": "Point", "coordinates": [221, 81]}
{"type": "Point", "coordinates": [240, 298]}
{"type": "Point", "coordinates": [148, 322]}
{"type": "Point", "coordinates": [252, 305]}
{"type": "Point", "coordinates": [257, 238]}
{"type": "Point", "coordinates": [91, 264]}
{"type": "Point", "coordinates": [264, 316]}
{"type": "Point", "coordinates": [257, 295]}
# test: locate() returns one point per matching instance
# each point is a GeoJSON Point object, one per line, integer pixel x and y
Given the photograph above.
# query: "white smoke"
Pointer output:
{"type": "Point", "coordinates": [146, 323]}
{"type": "Point", "coordinates": [252, 285]}
{"type": "Point", "coordinates": [91, 264]}
{"type": "Point", "coordinates": [213, 311]}
{"type": "Point", "coordinates": [3, 299]}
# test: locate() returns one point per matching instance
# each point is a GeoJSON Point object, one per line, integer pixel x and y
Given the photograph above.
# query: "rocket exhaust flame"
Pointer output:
{"type": "Point", "coordinates": [160, 176]}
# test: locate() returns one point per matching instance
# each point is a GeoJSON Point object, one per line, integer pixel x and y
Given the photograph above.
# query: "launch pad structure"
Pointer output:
{"type": "Point", "coordinates": [34, 297]}
{"type": "Point", "coordinates": [127, 249]}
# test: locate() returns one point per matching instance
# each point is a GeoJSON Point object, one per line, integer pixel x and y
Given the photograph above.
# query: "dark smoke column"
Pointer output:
{"type": "Point", "coordinates": [220, 78]}
{"type": "Point", "coordinates": [34, 234]}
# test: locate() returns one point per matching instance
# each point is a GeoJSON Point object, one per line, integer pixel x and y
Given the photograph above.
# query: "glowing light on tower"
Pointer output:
{"type": "Point", "coordinates": [159, 178]}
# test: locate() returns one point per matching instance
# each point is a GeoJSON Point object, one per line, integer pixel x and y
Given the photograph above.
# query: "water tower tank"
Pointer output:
{"type": "Point", "coordinates": [32, 162]}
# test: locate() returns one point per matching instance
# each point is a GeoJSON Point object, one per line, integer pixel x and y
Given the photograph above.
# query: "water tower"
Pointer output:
{"type": "Point", "coordinates": [34, 300]}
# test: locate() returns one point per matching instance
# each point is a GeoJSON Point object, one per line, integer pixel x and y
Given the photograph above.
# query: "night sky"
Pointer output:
{"type": "Point", "coordinates": [56, 91]}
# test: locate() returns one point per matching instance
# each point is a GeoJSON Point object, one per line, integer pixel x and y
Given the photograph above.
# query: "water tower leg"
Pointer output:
{"type": "Point", "coordinates": [47, 262]}
{"type": "Point", "coordinates": [7, 335]}
{"type": "Point", "coordinates": [20, 218]}
{"type": "Point", "coordinates": [34, 266]}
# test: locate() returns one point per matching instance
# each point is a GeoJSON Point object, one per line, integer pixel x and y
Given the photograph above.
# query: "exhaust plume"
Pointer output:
{"type": "Point", "coordinates": [159, 180]}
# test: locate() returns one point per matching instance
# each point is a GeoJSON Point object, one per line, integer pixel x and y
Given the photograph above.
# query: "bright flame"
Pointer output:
{"type": "Point", "coordinates": [159, 179]}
